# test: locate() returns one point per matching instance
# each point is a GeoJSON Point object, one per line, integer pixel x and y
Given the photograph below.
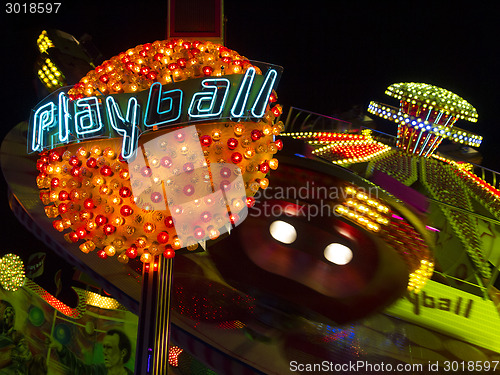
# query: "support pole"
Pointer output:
{"type": "Point", "coordinates": [154, 317]}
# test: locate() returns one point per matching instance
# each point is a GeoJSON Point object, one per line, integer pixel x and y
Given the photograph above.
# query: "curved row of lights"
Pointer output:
{"type": "Point", "coordinates": [316, 138]}
{"type": "Point", "coordinates": [338, 147]}
{"type": "Point", "coordinates": [464, 227]}
{"type": "Point", "coordinates": [362, 150]}
{"type": "Point", "coordinates": [454, 134]}
{"type": "Point", "coordinates": [363, 210]}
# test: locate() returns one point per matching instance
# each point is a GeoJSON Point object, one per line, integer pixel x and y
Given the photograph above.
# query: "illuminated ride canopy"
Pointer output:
{"type": "Point", "coordinates": [159, 148]}
{"type": "Point", "coordinates": [425, 116]}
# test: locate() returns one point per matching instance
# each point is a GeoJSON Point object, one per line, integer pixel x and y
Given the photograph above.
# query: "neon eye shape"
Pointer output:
{"type": "Point", "coordinates": [283, 232]}
{"type": "Point", "coordinates": [338, 254]}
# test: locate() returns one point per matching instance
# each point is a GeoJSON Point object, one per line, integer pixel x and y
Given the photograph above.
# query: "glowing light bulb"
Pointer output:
{"type": "Point", "coordinates": [338, 254]}
{"type": "Point", "coordinates": [283, 232]}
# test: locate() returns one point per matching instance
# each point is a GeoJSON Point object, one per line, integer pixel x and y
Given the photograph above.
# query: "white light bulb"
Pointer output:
{"type": "Point", "coordinates": [338, 254]}
{"type": "Point", "coordinates": [283, 232]}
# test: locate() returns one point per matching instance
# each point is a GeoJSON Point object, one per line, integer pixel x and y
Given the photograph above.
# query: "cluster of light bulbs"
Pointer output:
{"type": "Point", "coordinates": [452, 133]}
{"type": "Point", "coordinates": [103, 302]}
{"type": "Point", "coordinates": [50, 74]}
{"type": "Point", "coordinates": [87, 187]}
{"type": "Point", "coordinates": [419, 277]}
{"type": "Point", "coordinates": [162, 61]}
{"type": "Point", "coordinates": [359, 207]}
{"type": "Point", "coordinates": [347, 152]}
{"type": "Point", "coordinates": [43, 42]}
{"type": "Point", "coordinates": [485, 192]}
{"type": "Point", "coordinates": [401, 166]}
{"type": "Point", "coordinates": [318, 138]}
{"type": "Point", "coordinates": [463, 226]}
{"type": "Point", "coordinates": [433, 96]}
{"type": "Point", "coordinates": [12, 274]}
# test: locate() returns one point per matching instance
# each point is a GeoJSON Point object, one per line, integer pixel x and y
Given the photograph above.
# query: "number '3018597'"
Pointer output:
{"type": "Point", "coordinates": [33, 8]}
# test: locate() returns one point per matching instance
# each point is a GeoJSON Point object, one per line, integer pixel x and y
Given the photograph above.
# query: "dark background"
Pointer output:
{"type": "Point", "coordinates": [335, 54]}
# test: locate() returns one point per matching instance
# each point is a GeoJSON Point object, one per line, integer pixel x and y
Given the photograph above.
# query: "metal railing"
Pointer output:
{"type": "Point", "coordinates": [302, 120]}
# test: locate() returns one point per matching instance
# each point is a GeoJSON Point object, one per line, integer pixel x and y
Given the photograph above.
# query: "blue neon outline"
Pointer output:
{"type": "Point", "coordinates": [244, 86]}
{"type": "Point", "coordinates": [129, 141]}
{"type": "Point", "coordinates": [160, 99]}
{"type": "Point", "coordinates": [63, 122]}
{"type": "Point", "coordinates": [212, 97]}
{"type": "Point", "coordinates": [270, 72]}
{"type": "Point", "coordinates": [87, 113]}
{"type": "Point", "coordinates": [36, 139]}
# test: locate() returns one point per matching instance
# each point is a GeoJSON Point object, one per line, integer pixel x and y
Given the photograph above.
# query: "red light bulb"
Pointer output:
{"type": "Point", "coordinates": [102, 254]}
{"type": "Point", "coordinates": [206, 216]}
{"type": "Point", "coordinates": [256, 135]}
{"type": "Point", "coordinates": [125, 192]}
{"type": "Point", "coordinates": [236, 157]}
{"type": "Point", "coordinates": [199, 233]}
{"type": "Point", "coordinates": [166, 162]}
{"type": "Point", "coordinates": [156, 197]}
{"type": "Point", "coordinates": [169, 252]}
{"type": "Point", "coordinates": [146, 172]}
{"type": "Point", "coordinates": [126, 210]}
{"type": "Point", "coordinates": [232, 143]}
{"type": "Point", "coordinates": [188, 190]}
{"type": "Point", "coordinates": [188, 167]}
{"type": "Point", "coordinates": [104, 78]}
{"type": "Point", "coordinates": [205, 140]}
{"type": "Point", "coordinates": [88, 204]}
{"type": "Point", "coordinates": [107, 171]}
{"type": "Point", "coordinates": [279, 144]}
{"type": "Point", "coordinates": [63, 208]}
{"type": "Point", "coordinates": [264, 167]}
{"type": "Point", "coordinates": [169, 222]}
{"type": "Point", "coordinates": [250, 201]}
{"type": "Point", "coordinates": [207, 70]}
{"type": "Point", "coordinates": [91, 162]}
{"type": "Point", "coordinates": [81, 233]}
{"type": "Point", "coordinates": [225, 172]}
{"type": "Point", "coordinates": [101, 220]}
{"type": "Point", "coordinates": [54, 156]}
{"type": "Point", "coordinates": [152, 75]}
{"type": "Point", "coordinates": [73, 237]}
{"type": "Point", "coordinates": [162, 237]}
{"type": "Point", "coordinates": [63, 195]}
{"type": "Point", "coordinates": [108, 229]}
{"type": "Point", "coordinates": [131, 252]}
{"type": "Point", "coordinates": [76, 172]}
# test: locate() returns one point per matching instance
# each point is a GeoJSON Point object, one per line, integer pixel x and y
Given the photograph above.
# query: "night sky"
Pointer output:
{"type": "Point", "coordinates": [335, 54]}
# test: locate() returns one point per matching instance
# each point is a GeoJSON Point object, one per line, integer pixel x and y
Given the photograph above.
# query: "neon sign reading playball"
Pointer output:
{"type": "Point", "coordinates": [59, 120]}
{"type": "Point", "coordinates": [160, 148]}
